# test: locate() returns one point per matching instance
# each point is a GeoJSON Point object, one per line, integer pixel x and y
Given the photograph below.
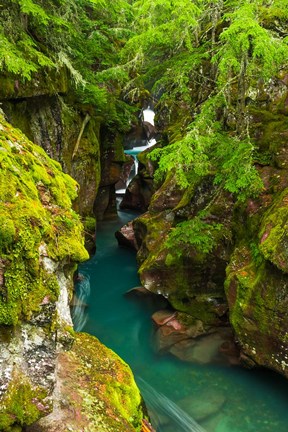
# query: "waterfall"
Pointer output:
{"type": "Point", "coordinates": [160, 405]}
{"type": "Point", "coordinates": [148, 115]}
{"type": "Point", "coordinates": [134, 152]}
{"type": "Point", "coordinates": [147, 119]}
{"type": "Point", "coordinates": [80, 300]}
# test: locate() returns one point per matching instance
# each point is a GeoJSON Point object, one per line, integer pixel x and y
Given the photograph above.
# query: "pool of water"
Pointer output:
{"type": "Point", "coordinates": [180, 396]}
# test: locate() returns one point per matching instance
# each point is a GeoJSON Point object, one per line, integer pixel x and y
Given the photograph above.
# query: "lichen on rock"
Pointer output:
{"type": "Point", "coordinates": [95, 391]}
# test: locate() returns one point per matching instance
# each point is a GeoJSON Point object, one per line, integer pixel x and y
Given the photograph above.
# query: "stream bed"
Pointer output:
{"type": "Point", "coordinates": [180, 396]}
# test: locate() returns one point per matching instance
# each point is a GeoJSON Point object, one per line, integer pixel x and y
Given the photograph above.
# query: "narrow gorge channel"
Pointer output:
{"type": "Point", "coordinates": [178, 394]}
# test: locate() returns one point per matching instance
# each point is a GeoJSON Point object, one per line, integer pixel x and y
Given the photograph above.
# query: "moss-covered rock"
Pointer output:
{"type": "Point", "coordinates": [252, 241]}
{"type": "Point", "coordinates": [258, 300]}
{"type": "Point", "coordinates": [274, 232]}
{"type": "Point", "coordinates": [36, 198]}
{"type": "Point", "coordinates": [96, 392]}
{"type": "Point", "coordinates": [41, 241]}
{"type": "Point", "coordinates": [54, 124]}
{"type": "Point", "coordinates": [45, 82]}
{"type": "Point", "coordinates": [191, 278]}
{"type": "Point", "coordinates": [21, 403]}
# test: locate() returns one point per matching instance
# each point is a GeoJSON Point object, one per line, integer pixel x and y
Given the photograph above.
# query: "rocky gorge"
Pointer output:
{"type": "Point", "coordinates": [242, 280]}
{"type": "Point", "coordinates": [211, 239]}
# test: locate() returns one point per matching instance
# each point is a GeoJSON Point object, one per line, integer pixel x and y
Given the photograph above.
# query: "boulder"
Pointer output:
{"type": "Point", "coordinates": [193, 341]}
{"type": "Point", "coordinates": [126, 237]}
{"type": "Point", "coordinates": [96, 391]}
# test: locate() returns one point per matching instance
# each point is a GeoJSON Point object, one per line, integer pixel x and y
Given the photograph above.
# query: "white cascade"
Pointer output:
{"type": "Point", "coordinates": [160, 406]}
{"type": "Point", "coordinates": [79, 315]}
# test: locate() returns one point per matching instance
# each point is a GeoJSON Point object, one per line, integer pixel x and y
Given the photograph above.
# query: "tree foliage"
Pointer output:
{"type": "Point", "coordinates": [195, 232]}
{"type": "Point", "coordinates": [204, 58]}
{"type": "Point", "coordinates": [231, 37]}
{"type": "Point", "coordinates": [82, 36]}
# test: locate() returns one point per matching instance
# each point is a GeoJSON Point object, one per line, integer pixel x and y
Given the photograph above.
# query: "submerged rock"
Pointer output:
{"type": "Point", "coordinates": [208, 403]}
{"type": "Point", "coordinates": [194, 341]}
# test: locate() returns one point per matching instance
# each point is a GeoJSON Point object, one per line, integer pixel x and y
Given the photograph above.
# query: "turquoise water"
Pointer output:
{"type": "Point", "coordinates": [180, 396]}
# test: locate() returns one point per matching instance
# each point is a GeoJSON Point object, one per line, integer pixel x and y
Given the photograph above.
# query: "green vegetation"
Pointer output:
{"type": "Point", "coordinates": [194, 232]}
{"type": "Point", "coordinates": [97, 383]}
{"type": "Point", "coordinates": [20, 403]}
{"type": "Point", "coordinates": [185, 52]}
{"type": "Point", "coordinates": [210, 68]}
{"type": "Point", "coordinates": [40, 38]}
{"type": "Point", "coordinates": [35, 208]}
{"type": "Point", "coordinates": [206, 62]}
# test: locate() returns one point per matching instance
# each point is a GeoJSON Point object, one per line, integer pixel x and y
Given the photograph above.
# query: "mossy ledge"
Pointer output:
{"type": "Point", "coordinates": [37, 223]}
{"type": "Point", "coordinates": [95, 392]}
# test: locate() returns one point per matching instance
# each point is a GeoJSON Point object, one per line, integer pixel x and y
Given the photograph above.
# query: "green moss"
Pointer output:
{"type": "Point", "coordinates": [196, 308]}
{"type": "Point", "coordinates": [109, 398]}
{"type": "Point", "coordinates": [257, 291]}
{"type": "Point", "coordinates": [19, 407]}
{"type": "Point", "coordinates": [7, 231]}
{"type": "Point", "coordinates": [35, 210]}
{"type": "Point", "coordinates": [90, 223]}
{"type": "Point", "coordinates": [42, 83]}
{"type": "Point", "coordinates": [273, 233]}
{"type": "Point", "coordinates": [272, 126]}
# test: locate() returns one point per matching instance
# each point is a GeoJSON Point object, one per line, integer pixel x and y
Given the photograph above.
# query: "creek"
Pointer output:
{"type": "Point", "coordinates": [180, 396]}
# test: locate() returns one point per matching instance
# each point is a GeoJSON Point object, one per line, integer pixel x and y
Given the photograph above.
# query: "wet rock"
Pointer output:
{"type": "Point", "coordinates": [136, 137]}
{"type": "Point", "coordinates": [138, 292]}
{"type": "Point", "coordinates": [138, 194]}
{"type": "Point", "coordinates": [274, 233]}
{"type": "Point", "coordinates": [208, 349]}
{"type": "Point", "coordinates": [194, 342]}
{"type": "Point", "coordinates": [37, 266]}
{"type": "Point", "coordinates": [258, 301]}
{"type": "Point", "coordinates": [126, 237]}
{"type": "Point", "coordinates": [141, 188]}
{"type": "Point", "coordinates": [125, 173]}
{"type": "Point", "coordinates": [190, 279]}
{"type": "Point", "coordinates": [166, 317]}
{"type": "Point", "coordinates": [167, 196]}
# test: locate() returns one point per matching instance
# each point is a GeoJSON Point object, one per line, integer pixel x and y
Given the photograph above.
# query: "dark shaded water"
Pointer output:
{"type": "Point", "coordinates": [220, 399]}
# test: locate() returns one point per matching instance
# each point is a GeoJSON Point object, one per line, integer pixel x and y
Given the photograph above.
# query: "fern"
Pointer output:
{"type": "Point", "coordinates": [245, 36]}
{"type": "Point", "coordinates": [31, 8]}
{"type": "Point", "coordinates": [22, 58]}
{"type": "Point", "coordinates": [236, 171]}
{"type": "Point", "coordinates": [194, 232]}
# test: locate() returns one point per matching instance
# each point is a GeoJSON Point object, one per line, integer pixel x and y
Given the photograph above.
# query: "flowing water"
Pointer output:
{"type": "Point", "coordinates": [181, 397]}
